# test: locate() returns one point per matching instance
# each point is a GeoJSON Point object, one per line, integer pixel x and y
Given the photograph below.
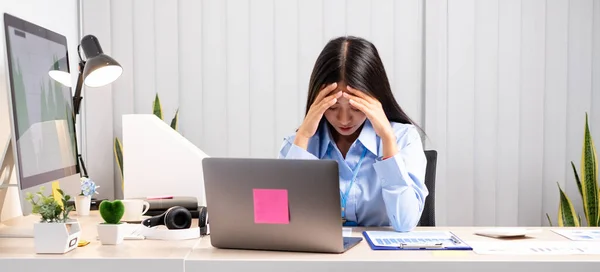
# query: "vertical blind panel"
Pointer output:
{"type": "Point", "coordinates": [531, 110]}
{"type": "Point", "coordinates": [286, 70]}
{"type": "Point", "coordinates": [123, 95]}
{"type": "Point", "coordinates": [436, 94]}
{"type": "Point", "coordinates": [460, 137]}
{"type": "Point", "coordinates": [167, 57]}
{"type": "Point", "coordinates": [556, 166]}
{"type": "Point", "coordinates": [334, 19]}
{"type": "Point", "coordinates": [238, 78]}
{"type": "Point", "coordinates": [144, 58]}
{"type": "Point", "coordinates": [214, 70]}
{"type": "Point", "coordinates": [382, 34]}
{"type": "Point", "coordinates": [262, 98]}
{"type": "Point", "coordinates": [408, 56]}
{"type": "Point", "coordinates": [122, 50]}
{"type": "Point", "coordinates": [191, 113]}
{"type": "Point", "coordinates": [509, 88]}
{"type": "Point", "coordinates": [310, 44]}
{"type": "Point", "coordinates": [486, 112]}
{"type": "Point", "coordinates": [358, 18]}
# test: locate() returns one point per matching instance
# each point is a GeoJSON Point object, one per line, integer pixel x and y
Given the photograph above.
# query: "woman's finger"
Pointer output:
{"type": "Point", "coordinates": [359, 93]}
{"type": "Point", "coordinates": [357, 99]}
{"type": "Point", "coordinates": [325, 91]}
{"type": "Point", "coordinates": [360, 106]}
{"type": "Point", "coordinates": [329, 101]}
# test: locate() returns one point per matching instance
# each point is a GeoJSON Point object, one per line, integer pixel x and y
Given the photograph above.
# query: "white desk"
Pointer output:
{"type": "Point", "coordinates": [198, 255]}
{"type": "Point", "coordinates": [17, 254]}
{"type": "Point", "coordinates": [361, 258]}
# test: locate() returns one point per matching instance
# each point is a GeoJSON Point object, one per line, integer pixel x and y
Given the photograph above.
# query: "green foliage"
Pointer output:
{"type": "Point", "coordinates": [48, 208]}
{"type": "Point", "coordinates": [157, 108]}
{"type": "Point", "coordinates": [587, 184]}
{"type": "Point", "coordinates": [175, 121]}
{"type": "Point", "coordinates": [118, 150]}
{"type": "Point", "coordinates": [112, 211]}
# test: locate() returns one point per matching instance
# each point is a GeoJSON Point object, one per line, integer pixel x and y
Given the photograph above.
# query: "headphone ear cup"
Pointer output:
{"type": "Point", "coordinates": [178, 218]}
{"type": "Point", "coordinates": [203, 220]}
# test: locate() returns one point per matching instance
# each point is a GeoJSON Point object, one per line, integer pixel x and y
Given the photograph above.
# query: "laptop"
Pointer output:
{"type": "Point", "coordinates": [275, 204]}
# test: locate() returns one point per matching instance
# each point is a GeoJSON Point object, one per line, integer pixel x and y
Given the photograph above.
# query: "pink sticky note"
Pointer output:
{"type": "Point", "coordinates": [271, 206]}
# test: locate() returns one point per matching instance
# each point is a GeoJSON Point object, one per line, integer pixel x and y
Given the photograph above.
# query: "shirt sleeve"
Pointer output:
{"type": "Point", "coordinates": [403, 181]}
{"type": "Point", "coordinates": [289, 150]}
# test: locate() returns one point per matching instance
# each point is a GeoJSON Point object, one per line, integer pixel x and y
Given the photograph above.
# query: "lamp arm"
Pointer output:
{"type": "Point", "coordinates": [76, 106]}
{"type": "Point", "coordinates": [77, 97]}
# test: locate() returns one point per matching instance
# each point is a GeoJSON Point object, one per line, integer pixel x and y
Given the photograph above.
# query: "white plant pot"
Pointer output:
{"type": "Point", "coordinates": [56, 238]}
{"type": "Point", "coordinates": [111, 234]}
{"type": "Point", "coordinates": [82, 205]}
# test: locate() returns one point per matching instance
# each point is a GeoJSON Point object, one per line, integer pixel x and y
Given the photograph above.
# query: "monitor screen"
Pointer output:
{"type": "Point", "coordinates": [42, 110]}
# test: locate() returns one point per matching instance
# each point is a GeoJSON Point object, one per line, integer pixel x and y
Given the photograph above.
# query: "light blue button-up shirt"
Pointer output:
{"type": "Point", "coordinates": [385, 192]}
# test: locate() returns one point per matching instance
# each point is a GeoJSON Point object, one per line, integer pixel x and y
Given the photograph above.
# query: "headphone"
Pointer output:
{"type": "Point", "coordinates": [203, 220]}
{"type": "Point", "coordinates": [176, 217]}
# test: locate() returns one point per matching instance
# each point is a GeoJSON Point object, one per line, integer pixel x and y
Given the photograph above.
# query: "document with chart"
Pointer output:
{"type": "Point", "coordinates": [579, 234]}
{"type": "Point", "coordinates": [415, 240]}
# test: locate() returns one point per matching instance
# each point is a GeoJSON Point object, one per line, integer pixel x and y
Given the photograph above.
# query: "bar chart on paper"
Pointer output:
{"type": "Point", "coordinates": [534, 248]}
{"type": "Point", "coordinates": [579, 234]}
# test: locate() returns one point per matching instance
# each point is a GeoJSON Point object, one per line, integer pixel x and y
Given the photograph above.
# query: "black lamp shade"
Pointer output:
{"type": "Point", "coordinates": [101, 70]}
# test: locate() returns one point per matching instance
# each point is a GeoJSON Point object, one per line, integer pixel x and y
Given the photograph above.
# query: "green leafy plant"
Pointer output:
{"type": "Point", "coordinates": [112, 211]}
{"type": "Point", "coordinates": [118, 147]}
{"type": "Point", "coordinates": [587, 184]}
{"type": "Point", "coordinates": [48, 208]}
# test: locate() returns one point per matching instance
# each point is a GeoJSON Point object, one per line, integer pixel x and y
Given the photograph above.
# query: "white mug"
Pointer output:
{"type": "Point", "coordinates": [134, 209]}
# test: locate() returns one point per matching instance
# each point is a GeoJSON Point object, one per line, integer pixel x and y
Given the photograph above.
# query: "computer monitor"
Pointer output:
{"type": "Point", "coordinates": [43, 141]}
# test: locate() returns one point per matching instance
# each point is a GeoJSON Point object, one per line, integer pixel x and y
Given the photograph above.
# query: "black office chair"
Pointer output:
{"type": "Point", "coordinates": [428, 216]}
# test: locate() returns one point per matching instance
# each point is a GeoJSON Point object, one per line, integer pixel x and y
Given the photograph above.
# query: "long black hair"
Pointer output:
{"type": "Point", "coordinates": [356, 62]}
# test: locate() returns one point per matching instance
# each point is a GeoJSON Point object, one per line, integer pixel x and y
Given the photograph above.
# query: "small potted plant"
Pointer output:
{"type": "Point", "coordinates": [56, 232]}
{"type": "Point", "coordinates": [112, 230]}
{"type": "Point", "coordinates": [84, 199]}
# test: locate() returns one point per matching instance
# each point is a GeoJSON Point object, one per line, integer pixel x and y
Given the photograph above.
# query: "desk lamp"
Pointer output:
{"type": "Point", "coordinates": [97, 70]}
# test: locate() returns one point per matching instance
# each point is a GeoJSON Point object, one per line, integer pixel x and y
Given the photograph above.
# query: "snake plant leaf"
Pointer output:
{"type": "Point", "coordinates": [577, 180]}
{"type": "Point", "coordinates": [549, 221]}
{"type": "Point", "coordinates": [118, 149]}
{"type": "Point", "coordinates": [157, 108]}
{"type": "Point", "coordinates": [566, 211]}
{"type": "Point", "coordinates": [175, 121]}
{"type": "Point", "coordinates": [589, 177]}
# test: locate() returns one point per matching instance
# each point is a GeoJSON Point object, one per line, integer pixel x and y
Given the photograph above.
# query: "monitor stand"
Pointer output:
{"type": "Point", "coordinates": [6, 170]}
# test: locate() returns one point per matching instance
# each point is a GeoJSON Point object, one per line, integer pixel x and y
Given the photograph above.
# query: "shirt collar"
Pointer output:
{"type": "Point", "coordinates": [367, 137]}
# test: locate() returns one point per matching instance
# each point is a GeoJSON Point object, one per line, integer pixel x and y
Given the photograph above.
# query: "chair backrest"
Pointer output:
{"type": "Point", "coordinates": [428, 216]}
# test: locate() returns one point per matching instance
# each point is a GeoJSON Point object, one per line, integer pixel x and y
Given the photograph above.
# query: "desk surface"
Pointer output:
{"type": "Point", "coordinates": [199, 255]}
{"type": "Point", "coordinates": [362, 258]}
{"type": "Point", "coordinates": [145, 255]}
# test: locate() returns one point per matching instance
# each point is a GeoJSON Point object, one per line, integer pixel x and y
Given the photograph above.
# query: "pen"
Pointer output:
{"type": "Point", "coordinates": [421, 246]}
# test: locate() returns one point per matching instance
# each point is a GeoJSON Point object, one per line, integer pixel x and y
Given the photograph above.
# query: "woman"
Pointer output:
{"type": "Point", "coordinates": [377, 147]}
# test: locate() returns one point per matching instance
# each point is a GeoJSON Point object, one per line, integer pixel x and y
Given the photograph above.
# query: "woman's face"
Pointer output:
{"type": "Point", "coordinates": [345, 118]}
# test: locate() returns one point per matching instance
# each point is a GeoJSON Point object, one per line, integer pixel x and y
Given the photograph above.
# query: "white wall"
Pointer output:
{"type": "Point", "coordinates": [508, 84]}
{"type": "Point", "coordinates": [237, 70]}
{"type": "Point", "coordinates": [502, 97]}
{"type": "Point", "coordinates": [58, 15]}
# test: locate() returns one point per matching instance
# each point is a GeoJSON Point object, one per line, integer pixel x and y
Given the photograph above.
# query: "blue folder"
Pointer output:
{"type": "Point", "coordinates": [414, 240]}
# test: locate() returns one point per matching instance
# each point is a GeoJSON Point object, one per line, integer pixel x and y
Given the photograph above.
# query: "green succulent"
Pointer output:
{"type": "Point", "coordinates": [48, 208]}
{"type": "Point", "coordinates": [112, 211]}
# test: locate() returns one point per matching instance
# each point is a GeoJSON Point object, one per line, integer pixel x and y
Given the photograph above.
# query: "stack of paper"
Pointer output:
{"type": "Point", "coordinates": [534, 248]}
